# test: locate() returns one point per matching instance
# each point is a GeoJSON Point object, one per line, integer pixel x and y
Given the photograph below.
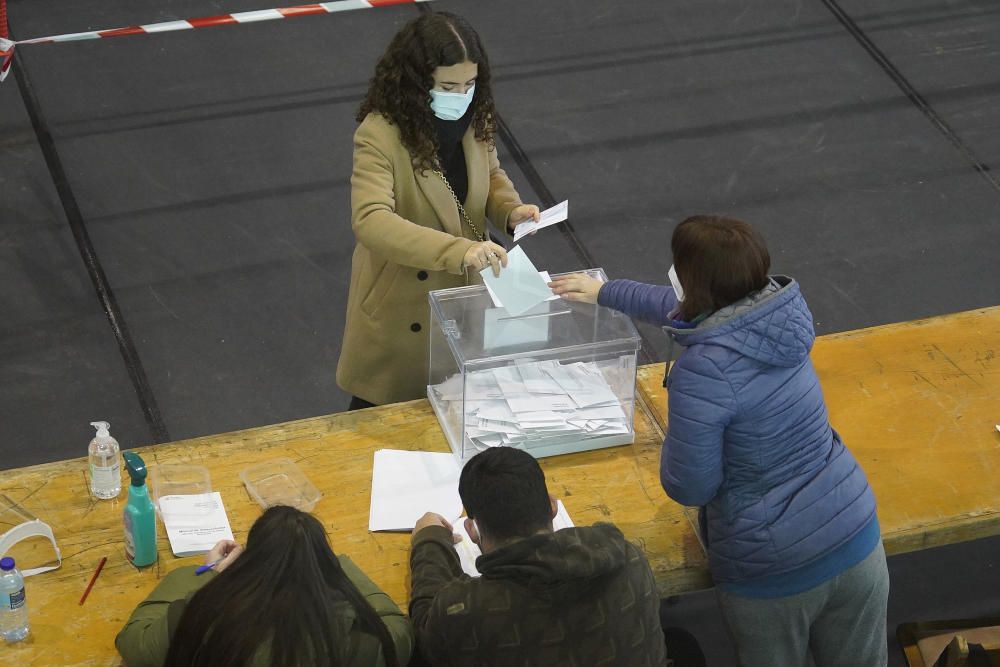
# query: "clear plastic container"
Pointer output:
{"type": "Point", "coordinates": [172, 479]}
{"type": "Point", "coordinates": [280, 482]}
{"type": "Point", "coordinates": [557, 379]}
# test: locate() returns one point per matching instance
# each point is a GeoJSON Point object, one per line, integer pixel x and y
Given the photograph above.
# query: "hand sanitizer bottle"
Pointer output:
{"type": "Point", "coordinates": [105, 470]}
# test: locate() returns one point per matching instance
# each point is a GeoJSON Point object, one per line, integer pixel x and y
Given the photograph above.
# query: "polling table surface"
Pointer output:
{"type": "Point", "coordinates": [915, 402]}
{"type": "Point", "coordinates": [619, 484]}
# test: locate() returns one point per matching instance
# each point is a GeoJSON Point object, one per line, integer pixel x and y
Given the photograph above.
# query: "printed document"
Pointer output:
{"type": "Point", "coordinates": [195, 522]}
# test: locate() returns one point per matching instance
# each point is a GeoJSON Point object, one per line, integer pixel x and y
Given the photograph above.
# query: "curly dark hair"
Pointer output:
{"type": "Point", "coordinates": [400, 89]}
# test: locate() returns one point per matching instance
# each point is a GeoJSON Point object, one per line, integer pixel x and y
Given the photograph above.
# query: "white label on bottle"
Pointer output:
{"type": "Point", "coordinates": [129, 539]}
{"type": "Point", "coordinates": [105, 477]}
{"type": "Point", "coordinates": [17, 599]}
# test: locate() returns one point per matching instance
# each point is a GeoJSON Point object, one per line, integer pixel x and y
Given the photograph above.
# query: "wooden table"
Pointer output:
{"type": "Point", "coordinates": [916, 403]}
{"type": "Point", "coordinates": [620, 484]}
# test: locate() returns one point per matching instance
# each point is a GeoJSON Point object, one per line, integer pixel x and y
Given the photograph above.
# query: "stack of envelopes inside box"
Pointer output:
{"type": "Point", "coordinates": [535, 403]}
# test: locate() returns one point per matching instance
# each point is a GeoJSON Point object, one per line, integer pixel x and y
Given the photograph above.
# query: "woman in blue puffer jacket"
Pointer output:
{"type": "Point", "coordinates": [786, 512]}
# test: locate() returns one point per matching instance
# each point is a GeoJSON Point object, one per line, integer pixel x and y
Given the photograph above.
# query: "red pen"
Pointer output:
{"type": "Point", "coordinates": [100, 566]}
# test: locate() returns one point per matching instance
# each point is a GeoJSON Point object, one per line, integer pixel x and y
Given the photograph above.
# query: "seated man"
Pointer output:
{"type": "Point", "coordinates": [579, 596]}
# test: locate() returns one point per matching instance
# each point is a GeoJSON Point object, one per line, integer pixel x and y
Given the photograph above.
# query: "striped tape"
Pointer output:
{"type": "Point", "coordinates": [7, 46]}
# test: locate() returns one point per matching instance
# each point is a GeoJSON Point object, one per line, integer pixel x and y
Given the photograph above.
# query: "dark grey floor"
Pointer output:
{"type": "Point", "coordinates": [174, 254]}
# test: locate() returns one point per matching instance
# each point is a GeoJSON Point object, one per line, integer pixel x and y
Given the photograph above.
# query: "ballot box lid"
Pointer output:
{"type": "Point", "coordinates": [478, 332]}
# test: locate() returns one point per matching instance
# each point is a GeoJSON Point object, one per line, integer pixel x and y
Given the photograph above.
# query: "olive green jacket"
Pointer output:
{"type": "Point", "coordinates": [145, 639]}
{"type": "Point", "coordinates": [410, 240]}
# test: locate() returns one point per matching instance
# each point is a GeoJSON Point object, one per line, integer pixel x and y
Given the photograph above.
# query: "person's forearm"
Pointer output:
{"type": "Point", "coordinates": [433, 565]}
{"type": "Point", "coordinates": [649, 303]}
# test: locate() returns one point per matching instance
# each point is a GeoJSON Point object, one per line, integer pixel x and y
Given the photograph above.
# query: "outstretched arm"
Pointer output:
{"type": "Point", "coordinates": [649, 303]}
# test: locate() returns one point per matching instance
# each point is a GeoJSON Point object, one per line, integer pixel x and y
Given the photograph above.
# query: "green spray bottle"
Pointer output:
{"type": "Point", "coordinates": [140, 515]}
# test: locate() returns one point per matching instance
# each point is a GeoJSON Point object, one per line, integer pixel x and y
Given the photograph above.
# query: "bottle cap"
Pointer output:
{"type": "Point", "coordinates": [136, 468]}
{"type": "Point", "coordinates": [7, 563]}
{"type": "Point", "coordinates": [102, 429]}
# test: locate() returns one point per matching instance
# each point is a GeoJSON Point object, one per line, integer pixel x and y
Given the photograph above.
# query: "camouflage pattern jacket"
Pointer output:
{"type": "Point", "coordinates": [577, 597]}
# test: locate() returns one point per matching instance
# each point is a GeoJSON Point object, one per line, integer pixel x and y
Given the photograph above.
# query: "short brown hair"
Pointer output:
{"type": "Point", "coordinates": [718, 262]}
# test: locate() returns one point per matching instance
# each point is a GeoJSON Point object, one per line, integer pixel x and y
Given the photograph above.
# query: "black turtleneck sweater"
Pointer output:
{"type": "Point", "coordinates": [451, 155]}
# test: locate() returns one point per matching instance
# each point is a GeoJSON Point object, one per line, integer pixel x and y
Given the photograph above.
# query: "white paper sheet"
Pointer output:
{"type": "Point", "coordinates": [549, 216]}
{"type": "Point", "coordinates": [468, 551]}
{"type": "Point", "coordinates": [535, 380]}
{"type": "Point", "coordinates": [519, 286]}
{"type": "Point", "coordinates": [194, 522]}
{"type": "Point", "coordinates": [534, 403]}
{"type": "Point", "coordinates": [407, 484]}
{"type": "Point", "coordinates": [545, 276]}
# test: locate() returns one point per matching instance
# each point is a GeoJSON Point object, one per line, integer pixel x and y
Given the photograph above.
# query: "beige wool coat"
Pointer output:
{"type": "Point", "coordinates": [410, 240]}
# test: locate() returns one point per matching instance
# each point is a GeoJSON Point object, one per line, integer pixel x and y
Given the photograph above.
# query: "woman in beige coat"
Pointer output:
{"type": "Point", "coordinates": [426, 179]}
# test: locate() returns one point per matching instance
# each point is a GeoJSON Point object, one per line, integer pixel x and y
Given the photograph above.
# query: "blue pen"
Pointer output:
{"type": "Point", "coordinates": [202, 569]}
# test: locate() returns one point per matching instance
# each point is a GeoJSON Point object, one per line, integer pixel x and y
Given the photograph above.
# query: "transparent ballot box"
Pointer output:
{"type": "Point", "coordinates": [556, 379]}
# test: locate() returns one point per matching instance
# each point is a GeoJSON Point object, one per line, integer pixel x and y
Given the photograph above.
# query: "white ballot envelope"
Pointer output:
{"type": "Point", "coordinates": [501, 329]}
{"type": "Point", "coordinates": [549, 216]}
{"type": "Point", "coordinates": [519, 286]}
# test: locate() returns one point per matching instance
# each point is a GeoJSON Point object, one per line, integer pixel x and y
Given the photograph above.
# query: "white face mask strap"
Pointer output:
{"type": "Point", "coordinates": [23, 531]}
{"type": "Point", "coordinates": [675, 283]}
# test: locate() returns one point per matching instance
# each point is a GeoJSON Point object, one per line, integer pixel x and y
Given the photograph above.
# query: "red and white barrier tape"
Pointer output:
{"type": "Point", "coordinates": [7, 46]}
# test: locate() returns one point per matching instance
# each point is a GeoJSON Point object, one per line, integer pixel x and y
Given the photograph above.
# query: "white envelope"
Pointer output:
{"type": "Point", "coordinates": [502, 330]}
{"type": "Point", "coordinates": [519, 286]}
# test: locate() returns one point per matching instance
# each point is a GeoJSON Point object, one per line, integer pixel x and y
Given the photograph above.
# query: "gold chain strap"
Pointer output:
{"type": "Point", "coordinates": [461, 209]}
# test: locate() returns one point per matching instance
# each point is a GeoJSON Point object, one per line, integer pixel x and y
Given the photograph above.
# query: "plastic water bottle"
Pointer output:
{"type": "Point", "coordinates": [13, 606]}
{"type": "Point", "coordinates": [105, 468]}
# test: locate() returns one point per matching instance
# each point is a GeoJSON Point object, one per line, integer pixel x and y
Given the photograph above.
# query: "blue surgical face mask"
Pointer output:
{"type": "Point", "coordinates": [675, 283]}
{"type": "Point", "coordinates": [451, 106]}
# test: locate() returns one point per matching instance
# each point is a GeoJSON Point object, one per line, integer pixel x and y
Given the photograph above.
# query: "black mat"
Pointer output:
{"type": "Point", "coordinates": [643, 113]}
{"type": "Point", "coordinates": [948, 53]}
{"type": "Point", "coordinates": [212, 169]}
{"type": "Point", "coordinates": [60, 367]}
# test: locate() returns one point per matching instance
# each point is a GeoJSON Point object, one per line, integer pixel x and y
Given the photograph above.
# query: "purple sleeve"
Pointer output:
{"type": "Point", "coordinates": [649, 303]}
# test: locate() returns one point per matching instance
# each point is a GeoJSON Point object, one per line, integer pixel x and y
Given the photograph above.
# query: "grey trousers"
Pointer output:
{"type": "Point", "coordinates": [840, 623]}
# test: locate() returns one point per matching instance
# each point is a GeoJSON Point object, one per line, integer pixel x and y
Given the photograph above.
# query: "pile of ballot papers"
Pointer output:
{"type": "Point", "coordinates": [532, 403]}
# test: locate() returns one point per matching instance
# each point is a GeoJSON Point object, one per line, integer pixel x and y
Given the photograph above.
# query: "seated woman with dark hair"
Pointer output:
{"type": "Point", "coordinates": [786, 512]}
{"type": "Point", "coordinates": [286, 599]}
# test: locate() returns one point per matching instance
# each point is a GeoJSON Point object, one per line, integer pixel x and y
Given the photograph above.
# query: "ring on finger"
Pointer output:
{"type": "Point", "coordinates": [493, 255]}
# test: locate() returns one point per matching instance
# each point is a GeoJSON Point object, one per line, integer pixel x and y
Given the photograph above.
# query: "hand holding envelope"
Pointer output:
{"type": "Point", "coordinates": [519, 286]}
{"type": "Point", "coordinates": [549, 216]}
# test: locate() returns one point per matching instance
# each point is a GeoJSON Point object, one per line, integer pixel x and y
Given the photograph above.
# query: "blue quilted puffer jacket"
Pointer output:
{"type": "Point", "coordinates": [748, 436]}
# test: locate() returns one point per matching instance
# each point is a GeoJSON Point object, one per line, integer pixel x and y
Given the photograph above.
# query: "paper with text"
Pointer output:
{"type": "Point", "coordinates": [195, 522]}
